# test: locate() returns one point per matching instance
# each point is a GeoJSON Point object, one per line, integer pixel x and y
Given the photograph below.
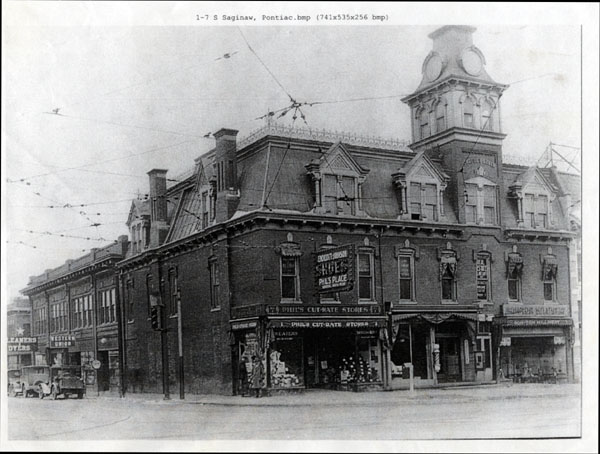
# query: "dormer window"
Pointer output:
{"type": "Point", "coordinates": [533, 195]}
{"type": "Point", "coordinates": [536, 210]}
{"type": "Point", "coordinates": [421, 187]}
{"type": "Point", "coordinates": [423, 201]}
{"type": "Point", "coordinates": [337, 179]}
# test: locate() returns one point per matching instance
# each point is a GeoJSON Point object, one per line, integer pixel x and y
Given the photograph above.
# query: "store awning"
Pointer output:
{"type": "Point", "coordinates": [435, 317]}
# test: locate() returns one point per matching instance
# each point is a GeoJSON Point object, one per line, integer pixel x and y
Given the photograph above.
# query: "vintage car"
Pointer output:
{"type": "Point", "coordinates": [15, 386]}
{"type": "Point", "coordinates": [53, 381]}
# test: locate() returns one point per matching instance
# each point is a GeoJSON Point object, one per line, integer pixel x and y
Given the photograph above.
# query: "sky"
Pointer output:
{"type": "Point", "coordinates": [134, 98]}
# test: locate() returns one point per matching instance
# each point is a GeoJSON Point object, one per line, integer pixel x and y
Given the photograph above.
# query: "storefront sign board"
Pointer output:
{"type": "Point", "coordinates": [22, 340]}
{"type": "Point", "coordinates": [327, 324]}
{"type": "Point", "coordinates": [328, 310]}
{"type": "Point", "coordinates": [535, 310]}
{"type": "Point", "coordinates": [243, 325]}
{"type": "Point", "coordinates": [65, 340]}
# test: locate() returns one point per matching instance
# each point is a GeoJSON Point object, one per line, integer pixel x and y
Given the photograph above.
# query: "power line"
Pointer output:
{"type": "Point", "coordinates": [146, 128]}
{"type": "Point", "coordinates": [152, 150]}
{"type": "Point", "coordinates": [265, 66]}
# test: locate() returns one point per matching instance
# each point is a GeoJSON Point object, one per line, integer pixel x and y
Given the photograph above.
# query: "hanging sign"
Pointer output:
{"type": "Point", "coordinates": [335, 269]}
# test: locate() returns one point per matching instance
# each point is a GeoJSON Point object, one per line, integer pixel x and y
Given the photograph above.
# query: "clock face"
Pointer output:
{"type": "Point", "coordinates": [471, 62]}
{"type": "Point", "coordinates": [434, 67]}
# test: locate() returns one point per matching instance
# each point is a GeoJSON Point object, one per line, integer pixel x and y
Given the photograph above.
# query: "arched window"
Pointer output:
{"type": "Point", "coordinates": [424, 124]}
{"type": "Point", "coordinates": [468, 113]}
{"type": "Point", "coordinates": [487, 118]}
{"type": "Point", "coordinates": [440, 117]}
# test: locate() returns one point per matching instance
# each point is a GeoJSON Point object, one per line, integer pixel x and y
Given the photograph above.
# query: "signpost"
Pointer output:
{"type": "Point", "coordinates": [335, 269]}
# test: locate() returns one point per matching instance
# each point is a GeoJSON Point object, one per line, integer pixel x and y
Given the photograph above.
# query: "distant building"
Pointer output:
{"type": "Point", "coordinates": [21, 346]}
{"type": "Point", "coordinates": [74, 315]}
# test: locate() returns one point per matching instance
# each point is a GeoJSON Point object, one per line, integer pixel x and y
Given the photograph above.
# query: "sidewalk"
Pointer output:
{"type": "Point", "coordinates": [318, 397]}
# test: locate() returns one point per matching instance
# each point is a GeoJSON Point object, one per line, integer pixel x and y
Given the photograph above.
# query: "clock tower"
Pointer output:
{"type": "Point", "coordinates": [455, 118]}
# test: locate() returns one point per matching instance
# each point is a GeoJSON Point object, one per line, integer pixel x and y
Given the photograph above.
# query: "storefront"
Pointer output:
{"type": "Point", "coordinates": [534, 343]}
{"type": "Point", "coordinates": [307, 351]}
{"type": "Point", "coordinates": [442, 346]}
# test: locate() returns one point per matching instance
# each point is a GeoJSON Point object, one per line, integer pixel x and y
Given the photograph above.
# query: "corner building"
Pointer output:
{"type": "Point", "coordinates": [335, 260]}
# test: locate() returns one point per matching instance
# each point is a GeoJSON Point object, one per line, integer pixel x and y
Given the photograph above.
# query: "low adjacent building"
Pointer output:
{"type": "Point", "coordinates": [75, 315]}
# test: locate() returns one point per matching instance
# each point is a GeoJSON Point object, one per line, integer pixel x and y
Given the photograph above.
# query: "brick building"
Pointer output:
{"type": "Point", "coordinates": [336, 259]}
{"type": "Point", "coordinates": [75, 316]}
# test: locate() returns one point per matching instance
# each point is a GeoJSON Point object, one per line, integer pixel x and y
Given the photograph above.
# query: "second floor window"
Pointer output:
{"type": "Point", "coordinates": [107, 306]}
{"type": "Point", "coordinates": [214, 285]}
{"type": "Point", "coordinates": [549, 272]}
{"type": "Point", "coordinates": [366, 289]}
{"type": "Point", "coordinates": [513, 274]}
{"type": "Point", "coordinates": [448, 277]}
{"type": "Point", "coordinates": [482, 265]}
{"type": "Point", "coordinates": [289, 278]}
{"type": "Point", "coordinates": [406, 277]}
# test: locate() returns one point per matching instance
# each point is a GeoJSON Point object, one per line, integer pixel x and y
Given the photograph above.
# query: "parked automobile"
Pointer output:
{"type": "Point", "coordinates": [32, 377]}
{"type": "Point", "coordinates": [53, 381]}
{"type": "Point", "coordinates": [15, 386]}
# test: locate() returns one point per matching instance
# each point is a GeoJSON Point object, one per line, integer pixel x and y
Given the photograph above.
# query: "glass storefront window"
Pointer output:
{"type": "Point", "coordinates": [287, 363]}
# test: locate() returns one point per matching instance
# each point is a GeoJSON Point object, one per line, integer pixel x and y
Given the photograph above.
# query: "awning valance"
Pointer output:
{"type": "Point", "coordinates": [434, 317]}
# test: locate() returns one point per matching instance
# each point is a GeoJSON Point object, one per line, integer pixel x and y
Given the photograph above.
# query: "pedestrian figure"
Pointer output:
{"type": "Point", "coordinates": [256, 379]}
{"type": "Point", "coordinates": [243, 377]}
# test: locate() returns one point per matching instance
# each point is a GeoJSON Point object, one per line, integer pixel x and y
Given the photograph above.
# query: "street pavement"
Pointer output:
{"type": "Point", "coordinates": [497, 411]}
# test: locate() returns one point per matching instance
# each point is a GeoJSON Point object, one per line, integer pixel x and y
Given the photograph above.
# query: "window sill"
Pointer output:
{"type": "Point", "coordinates": [216, 309]}
{"type": "Point", "coordinates": [130, 322]}
{"type": "Point", "coordinates": [329, 301]}
{"type": "Point", "coordinates": [407, 302]}
{"type": "Point", "coordinates": [449, 302]}
{"type": "Point", "coordinates": [173, 316]}
{"type": "Point", "coordinates": [290, 301]}
{"type": "Point", "coordinates": [367, 302]}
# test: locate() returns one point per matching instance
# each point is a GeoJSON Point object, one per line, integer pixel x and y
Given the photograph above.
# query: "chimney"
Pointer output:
{"type": "Point", "coordinates": [123, 240]}
{"type": "Point", "coordinates": [225, 160]}
{"type": "Point", "coordinates": [158, 206]}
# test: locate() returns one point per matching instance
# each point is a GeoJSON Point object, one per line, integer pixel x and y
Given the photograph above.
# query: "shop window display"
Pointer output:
{"type": "Point", "coordinates": [286, 362]}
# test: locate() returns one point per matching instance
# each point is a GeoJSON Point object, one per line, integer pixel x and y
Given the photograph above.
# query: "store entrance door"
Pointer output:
{"type": "Point", "coordinates": [449, 359]}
